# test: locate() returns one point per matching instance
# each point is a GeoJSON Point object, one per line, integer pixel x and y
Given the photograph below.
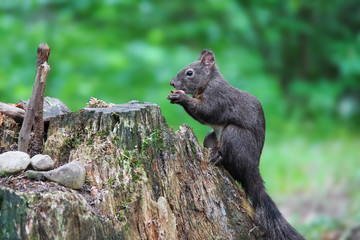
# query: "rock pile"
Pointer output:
{"type": "Point", "coordinates": [70, 175]}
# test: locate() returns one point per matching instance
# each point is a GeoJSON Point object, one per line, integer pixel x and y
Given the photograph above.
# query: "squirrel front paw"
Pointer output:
{"type": "Point", "coordinates": [216, 156]}
{"type": "Point", "coordinates": [177, 96]}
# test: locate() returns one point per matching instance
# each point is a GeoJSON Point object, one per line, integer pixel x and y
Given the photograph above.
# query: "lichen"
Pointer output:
{"type": "Point", "coordinates": [13, 213]}
{"type": "Point", "coordinates": [116, 140]}
{"type": "Point", "coordinates": [111, 181]}
{"type": "Point", "coordinates": [158, 139]}
{"type": "Point", "coordinates": [115, 116]}
{"type": "Point", "coordinates": [154, 141]}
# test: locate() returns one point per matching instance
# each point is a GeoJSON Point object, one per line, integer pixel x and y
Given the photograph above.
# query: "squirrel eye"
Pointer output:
{"type": "Point", "coordinates": [189, 72]}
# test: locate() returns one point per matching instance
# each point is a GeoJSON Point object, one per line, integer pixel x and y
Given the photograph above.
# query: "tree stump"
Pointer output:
{"type": "Point", "coordinates": [143, 181]}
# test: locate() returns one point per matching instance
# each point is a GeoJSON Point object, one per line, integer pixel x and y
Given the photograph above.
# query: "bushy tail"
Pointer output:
{"type": "Point", "coordinates": [240, 156]}
{"type": "Point", "coordinates": [266, 212]}
{"type": "Point", "coordinates": [270, 218]}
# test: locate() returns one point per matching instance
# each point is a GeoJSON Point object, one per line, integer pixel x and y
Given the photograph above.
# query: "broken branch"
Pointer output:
{"type": "Point", "coordinates": [36, 101]}
{"type": "Point", "coordinates": [38, 126]}
{"type": "Point", "coordinates": [14, 112]}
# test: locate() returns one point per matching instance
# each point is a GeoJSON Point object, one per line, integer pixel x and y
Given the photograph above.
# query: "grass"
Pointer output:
{"type": "Point", "coordinates": [309, 164]}
{"type": "Point", "coordinates": [315, 179]}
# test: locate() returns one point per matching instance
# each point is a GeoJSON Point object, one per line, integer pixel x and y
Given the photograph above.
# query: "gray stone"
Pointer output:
{"type": "Point", "coordinates": [70, 175]}
{"type": "Point", "coordinates": [52, 107]}
{"type": "Point", "coordinates": [14, 162]}
{"type": "Point", "coordinates": [34, 175]}
{"type": "Point", "coordinates": [42, 162]}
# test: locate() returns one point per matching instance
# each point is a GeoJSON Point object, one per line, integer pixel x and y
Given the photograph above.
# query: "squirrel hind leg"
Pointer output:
{"type": "Point", "coordinates": [238, 148]}
{"type": "Point", "coordinates": [210, 140]}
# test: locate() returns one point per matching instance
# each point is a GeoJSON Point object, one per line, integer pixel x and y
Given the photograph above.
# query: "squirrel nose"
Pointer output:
{"type": "Point", "coordinates": [172, 83]}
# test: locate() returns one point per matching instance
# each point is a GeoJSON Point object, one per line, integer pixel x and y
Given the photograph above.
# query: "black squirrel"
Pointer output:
{"type": "Point", "coordinates": [238, 137]}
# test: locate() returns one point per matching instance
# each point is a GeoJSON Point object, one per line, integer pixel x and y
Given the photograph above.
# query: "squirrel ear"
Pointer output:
{"type": "Point", "coordinates": [202, 53]}
{"type": "Point", "coordinates": [207, 58]}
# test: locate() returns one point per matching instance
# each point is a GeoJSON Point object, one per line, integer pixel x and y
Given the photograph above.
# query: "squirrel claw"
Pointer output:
{"type": "Point", "coordinates": [215, 156]}
{"type": "Point", "coordinates": [217, 162]}
{"type": "Point", "coordinates": [177, 96]}
{"type": "Point", "coordinates": [178, 92]}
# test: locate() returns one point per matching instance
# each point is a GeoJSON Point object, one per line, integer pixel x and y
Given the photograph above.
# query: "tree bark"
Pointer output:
{"type": "Point", "coordinates": [34, 110]}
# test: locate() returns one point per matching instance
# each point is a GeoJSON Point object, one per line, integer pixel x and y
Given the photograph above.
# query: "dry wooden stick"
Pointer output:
{"type": "Point", "coordinates": [14, 112]}
{"type": "Point", "coordinates": [38, 126]}
{"type": "Point", "coordinates": [36, 100]}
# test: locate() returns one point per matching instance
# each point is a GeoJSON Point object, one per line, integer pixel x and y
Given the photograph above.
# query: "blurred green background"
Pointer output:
{"type": "Point", "coordinates": [300, 58]}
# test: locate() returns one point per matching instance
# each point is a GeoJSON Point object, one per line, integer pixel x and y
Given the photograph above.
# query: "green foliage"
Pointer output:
{"type": "Point", "coordinates": [321, 225]}
{"type": "Point", "coordinates": [300, 58]}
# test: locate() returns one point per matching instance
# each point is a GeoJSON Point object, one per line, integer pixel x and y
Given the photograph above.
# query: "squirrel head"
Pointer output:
{"type": "Point", "coordinates": [197, 75]}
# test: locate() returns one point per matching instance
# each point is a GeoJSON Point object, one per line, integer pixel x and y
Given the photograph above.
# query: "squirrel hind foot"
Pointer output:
{"type": "Point", "coordinates": [216, 156]}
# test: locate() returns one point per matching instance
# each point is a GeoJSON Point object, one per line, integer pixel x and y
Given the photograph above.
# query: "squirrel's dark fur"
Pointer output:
{"type": "Point", "coordinates": [238, 137]}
